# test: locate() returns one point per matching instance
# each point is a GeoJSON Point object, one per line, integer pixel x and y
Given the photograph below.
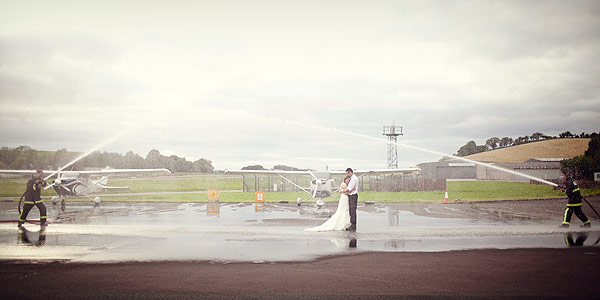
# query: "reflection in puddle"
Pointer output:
{"type": "Point", "coordinates": [574, 239]}
{"type": "Point", "coordinates": [31, 238]}
{"type": "Point", "coordinates": [394, 244]}
{"type": "Point", "coordinates": [266, 232]}
{"type": "Point", "coordinates": [213, 209]}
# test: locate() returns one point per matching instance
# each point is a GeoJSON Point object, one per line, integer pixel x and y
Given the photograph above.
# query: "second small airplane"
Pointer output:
{"type": "Point", "coordinates": [320, 185]}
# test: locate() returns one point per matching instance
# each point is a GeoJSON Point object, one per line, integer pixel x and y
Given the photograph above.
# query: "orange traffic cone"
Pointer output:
{"type": "Point", "coordinates": [446, 197]}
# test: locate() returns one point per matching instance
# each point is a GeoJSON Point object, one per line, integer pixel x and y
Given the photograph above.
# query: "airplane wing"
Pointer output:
{"type": "Point", "coordinates": [19, 172]}
{"type": "Point", "coordinates": [340, 172]}
{"type": "Point", "coordinates": [118, 171]}
{"type": "Point", "coordinates": [378, 171]}
{"type": "Point", "coordinates": [77, 173]}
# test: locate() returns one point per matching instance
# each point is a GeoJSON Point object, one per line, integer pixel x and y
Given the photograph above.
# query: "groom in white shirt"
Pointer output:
{"type": "Point", "coordinates": [352, 198]}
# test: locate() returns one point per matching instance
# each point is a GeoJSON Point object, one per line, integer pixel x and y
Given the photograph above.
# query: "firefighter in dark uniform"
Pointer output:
{"type": "Point", "coordinates": [33, 198]}
{"type": "Point", "coordinates": [574, 204]}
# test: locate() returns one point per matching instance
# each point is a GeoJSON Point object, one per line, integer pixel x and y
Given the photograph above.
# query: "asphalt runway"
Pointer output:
{"type": "Point", "coordinates": [471, 274]}
{"type": "Point", "coordinates": [499, 250]}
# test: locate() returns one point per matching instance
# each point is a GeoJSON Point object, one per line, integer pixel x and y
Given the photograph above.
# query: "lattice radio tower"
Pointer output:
{"type": "Point", "coordinates": [392, 133]}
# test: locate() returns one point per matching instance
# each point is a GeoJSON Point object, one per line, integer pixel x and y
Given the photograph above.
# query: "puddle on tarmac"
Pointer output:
{"type": "Point", "coordinates": [271, 232]}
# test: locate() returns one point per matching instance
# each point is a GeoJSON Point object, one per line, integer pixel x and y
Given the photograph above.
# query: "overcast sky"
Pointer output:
{"type": "Point", "coordinates": [308, 84]}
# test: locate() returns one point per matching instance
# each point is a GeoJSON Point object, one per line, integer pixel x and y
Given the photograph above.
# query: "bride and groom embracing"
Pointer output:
{"type": "Point", "coordinates": [345, 215]}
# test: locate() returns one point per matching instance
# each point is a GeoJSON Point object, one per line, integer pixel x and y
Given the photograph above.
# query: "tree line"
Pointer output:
{"type": "Point", "coordinates": [26, 158]}
{"type": "Point", "coordinates": [277, 167]}
{"type": "Point", "coordinates": [496, 143]}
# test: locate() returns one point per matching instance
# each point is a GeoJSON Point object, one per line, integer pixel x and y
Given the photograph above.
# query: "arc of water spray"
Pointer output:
{"type": "Point", "coordinates": [485, 165]}
{"type": "Point", "coordinates": [410, 146]}
{"type": "Point", "coordinates": [95, 148]}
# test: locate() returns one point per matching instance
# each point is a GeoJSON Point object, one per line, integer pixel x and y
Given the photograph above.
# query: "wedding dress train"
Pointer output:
{"type": "Point", "coordinates": [340, 219]}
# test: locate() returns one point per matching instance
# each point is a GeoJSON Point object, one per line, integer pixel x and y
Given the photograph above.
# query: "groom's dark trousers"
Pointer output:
{"type": "Point", "coordinates": [353, 202]}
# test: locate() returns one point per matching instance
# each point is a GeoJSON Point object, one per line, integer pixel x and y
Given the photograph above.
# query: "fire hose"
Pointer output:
{"type": "Point", "coordinates": [588, 203]}
{"type": "Point", "coordinates": [37, 222]}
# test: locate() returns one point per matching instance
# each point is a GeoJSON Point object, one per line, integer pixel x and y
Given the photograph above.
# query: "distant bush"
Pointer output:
{"type": "Point", "coordinates": [254, 167]}
{"type": "Point", "coordinates": [584, 166]}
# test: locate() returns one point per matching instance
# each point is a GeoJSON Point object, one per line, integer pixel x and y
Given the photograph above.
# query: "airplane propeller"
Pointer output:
{"type": "Point", "coordinates": [312, 175]}
{"type": "Point", "coordinates": [58, 176]}
{"type": "Point", "coordinates": [317, 181]}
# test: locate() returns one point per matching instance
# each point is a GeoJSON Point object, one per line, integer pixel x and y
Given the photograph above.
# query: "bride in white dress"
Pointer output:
{"type": "Point", "coordinates": [341, 218]}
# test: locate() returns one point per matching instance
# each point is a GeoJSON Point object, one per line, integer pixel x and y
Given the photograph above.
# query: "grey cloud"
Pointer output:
{"type": "Point", "coordinates": [60, 69]}
{"type": "Point", "coordinates": [480, 69]}
{"type": "Point", "coordinates": [500, 30]}
{"type": "Point", "coordinates": [39, 49]}
{"type": "Point", "coordinates": [17, 88]}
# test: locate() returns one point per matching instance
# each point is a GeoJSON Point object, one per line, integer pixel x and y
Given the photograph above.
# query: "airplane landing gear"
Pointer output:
{"type": "Point", "coordinates": [63, 201]}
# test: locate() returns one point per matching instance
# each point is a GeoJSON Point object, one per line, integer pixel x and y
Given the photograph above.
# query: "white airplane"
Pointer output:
{"type": "Point", "coordinates": [320, 185]}
{"type": "Point", "coordinates": [80, 183]}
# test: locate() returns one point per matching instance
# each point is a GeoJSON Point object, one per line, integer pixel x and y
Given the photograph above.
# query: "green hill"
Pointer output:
{"type": "Point", "coordinates": [554, 148]}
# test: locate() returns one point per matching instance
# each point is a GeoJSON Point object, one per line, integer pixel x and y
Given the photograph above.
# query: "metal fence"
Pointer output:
{"type": "Point", "coordinates": [377, 183]}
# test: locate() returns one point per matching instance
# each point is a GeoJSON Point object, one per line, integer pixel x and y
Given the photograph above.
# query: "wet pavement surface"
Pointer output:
{"type": "Point", "coordinates": [248, 232]}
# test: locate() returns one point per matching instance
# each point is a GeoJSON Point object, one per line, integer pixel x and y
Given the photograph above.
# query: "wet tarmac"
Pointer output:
{"type": "Point", "coordinates": [227, 232]}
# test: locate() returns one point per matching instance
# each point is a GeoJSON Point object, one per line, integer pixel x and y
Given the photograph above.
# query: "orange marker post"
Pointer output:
{"type": "Point", "coordinates": [213, 195]}
{"type": "Point", "coordinates": [212, 207]}
{"type": "Point", "coordinates": [259, 201]}
{"type": "Point", "coordinates": [259, 197]}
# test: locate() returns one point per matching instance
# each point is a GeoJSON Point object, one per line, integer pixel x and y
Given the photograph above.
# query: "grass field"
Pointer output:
{"type": "Point", "coordinates": [192, 188]}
